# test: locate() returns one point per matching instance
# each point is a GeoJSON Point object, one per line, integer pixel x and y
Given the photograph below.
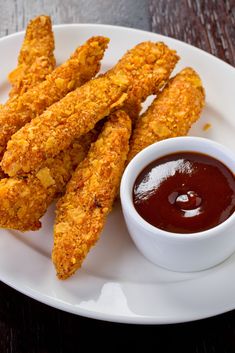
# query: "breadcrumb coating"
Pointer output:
{"type": "Point", "coordinates": [24, 200]}
{"type": "Point", "coordinates": [143, 70]}
{"type": "Point", "coordinates": [172, 113]}
{"type": "Point", "coordinates": [71, 117]}
{"type": "Point", "coordinates": [81, 67]}
{"type": "Point", "coordinates": [82, 211]}
{"type": "Point", "coordinates": [36, 59]}
{"type": "Point", "coordinates": [148, 66]}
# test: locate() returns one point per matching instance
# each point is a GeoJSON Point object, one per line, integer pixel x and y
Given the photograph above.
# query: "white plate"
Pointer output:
{"type": "Point", "coordinates": [116, 282]}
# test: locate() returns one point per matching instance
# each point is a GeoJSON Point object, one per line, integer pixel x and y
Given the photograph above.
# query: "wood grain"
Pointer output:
{"type": "Point", "coordinates": [207, 24]}
{"type": "Point", "coordinates": [29, 327]}
{"type": "Point", "coordinates": [15, 14]}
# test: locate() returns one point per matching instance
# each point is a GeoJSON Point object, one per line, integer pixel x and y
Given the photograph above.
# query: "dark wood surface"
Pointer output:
{"type": "Point", "coordinates": [29, 326]}
{"type": "Point", "coordinates": [207, 24]}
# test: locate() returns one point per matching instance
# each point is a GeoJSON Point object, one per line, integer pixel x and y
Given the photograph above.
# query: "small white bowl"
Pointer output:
{"type": "Point", "coordinates": [175, 251]}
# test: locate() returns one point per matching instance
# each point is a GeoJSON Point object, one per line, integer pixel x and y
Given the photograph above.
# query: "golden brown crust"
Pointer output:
{"type": "Point", "coordinates": [143, 70]}
{"type": "Point", "coordinates": [72, 116]}
{"type": "Point", "coordinates": [24, 200]}
{"type": "Point", "coordinates": [82, 211]}
{"type": "Point", "coordinates": [36, 59]}
{"type": "Point", "coordinates": [172, 113]}
{"type": "Point", "coordinates": [81, 67]}
{"type": "Point", "coordinates": [148, 66]}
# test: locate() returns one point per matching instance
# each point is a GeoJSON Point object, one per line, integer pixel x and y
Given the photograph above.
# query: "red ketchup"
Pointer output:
{"type": "Point", "coordinates": [185, 192]}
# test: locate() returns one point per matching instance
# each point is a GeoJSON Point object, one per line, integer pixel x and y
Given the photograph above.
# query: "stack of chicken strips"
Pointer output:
{"type": "Point", "coordinates": [67, 133]}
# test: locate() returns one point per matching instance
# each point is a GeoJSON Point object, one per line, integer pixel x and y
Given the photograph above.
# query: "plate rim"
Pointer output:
{"type": "Point", "coordinates": [64, 25]}
{"type": "Point", "coordinates": [107, 317]}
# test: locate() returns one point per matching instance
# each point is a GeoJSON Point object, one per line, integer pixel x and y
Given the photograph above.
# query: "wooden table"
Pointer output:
{"type": "Point", "coordinates": [28, 326]}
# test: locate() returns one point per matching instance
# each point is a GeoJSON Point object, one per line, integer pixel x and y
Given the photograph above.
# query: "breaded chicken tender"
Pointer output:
{"type": "Point", "coordinates": [71, 117]}
{"type": "Point", "coordinates": [36, 59]}
{"type": "Point", "coordinates": [82, 211]}
{"type": "Point", "coordinates": [148, 66]}
{"type": "Point", "coordinates": [78, 112]}
{"type": "Point", "coordinates": [24, 200]}
{"type": "Point", "coordinates": [172, 113]}
{"type": "Point", "coordinates": [81, 67]}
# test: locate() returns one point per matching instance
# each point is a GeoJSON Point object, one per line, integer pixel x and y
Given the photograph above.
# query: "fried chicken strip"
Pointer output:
{"type": "Point", "coordinates": [81, 67]}
{"type": "Point", "coordinates": [78, 112]}
{"type": "Point", "coordinates": [36, 59]}
{"type": "Point", "coordinates": [172, 113]}
{"type": "Point", "coordinates": [148, 66]}
{"type": "Point", "coordinates": [72, 116]}
{"type": "Point", "coordinates": [82, 211]}
{"type": "Point", "coordinates": [24, 200]}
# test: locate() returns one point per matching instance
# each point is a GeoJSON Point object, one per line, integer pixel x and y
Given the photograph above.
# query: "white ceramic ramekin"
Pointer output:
{"type": "Point", "coordinates": [174, 251]}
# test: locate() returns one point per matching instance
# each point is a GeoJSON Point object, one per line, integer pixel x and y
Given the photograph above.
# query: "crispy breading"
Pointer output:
{"type": "Point", "coordinates": [172, 113]}
{"type": "Point", "coordinates": [36, 59]}
{"type": "Point", "coordinates": [81, 67]}
{"type": "Point", "coordinates": [82, 211]}
{"type": "Point", "coordinates": [74, 115]}
{"type": "Point", "coordinates": [24, 200]}
{"type": "Point", "coordinates": [148, 66]}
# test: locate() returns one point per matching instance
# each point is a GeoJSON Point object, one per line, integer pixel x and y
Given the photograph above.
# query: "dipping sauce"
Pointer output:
{"type": "Point", "coordinates": [185, 192]}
